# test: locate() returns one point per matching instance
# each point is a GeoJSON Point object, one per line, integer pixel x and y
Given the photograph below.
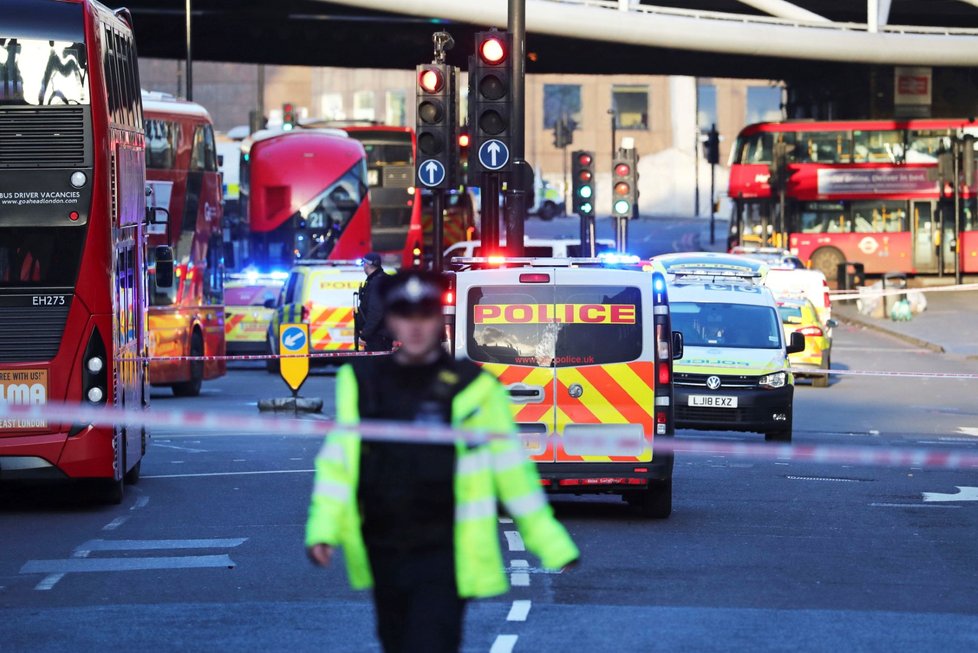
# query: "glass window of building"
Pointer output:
{"type": "Point", "coordinates": [332, 106]}
{"type": "Point", "coordinates": [763, 104]}
{"type": "Point", "coordinates": [363, 106]}
{"type": "Point", "coordinates": [396, 108]}
{"type": "Point", "coordinates": [561, 100]}
{"type": "Point", "coordinates": [706, 106]}
{"type": "Point", "coordinates": [631, 106]}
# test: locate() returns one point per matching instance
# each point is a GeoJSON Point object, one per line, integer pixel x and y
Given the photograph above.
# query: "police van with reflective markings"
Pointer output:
{"type": "Point", "coordinates": [735, 374]}
{"type": "Point", "coordinates": [585, 350]}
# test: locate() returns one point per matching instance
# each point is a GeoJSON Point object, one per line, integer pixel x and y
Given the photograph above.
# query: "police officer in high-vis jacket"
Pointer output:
{"type": "Point", "coordinates": [418, 522]}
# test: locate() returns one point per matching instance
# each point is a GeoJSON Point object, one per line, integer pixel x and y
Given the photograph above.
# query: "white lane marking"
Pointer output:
{"type": "Point", "coordinates": [968, 430]}
{"type": "Point", "coordinates": [140, 503]}
{"type": "Point", "coordinates": [909, 505]}
{"type": "Point", "coordinates": [514, 541]}
{"type": "Point", "coordinates": [964, 493]}
{"type": "Point", "coordinates": [505, 520]}
{"type": "Point", "coordinates": [81, 553]}
{"type": "Point", "coordinates": [48, 582]}
{"type": "Point", "coordinates": [173, 446]}
{"type": "Point", "coordinates": [520, 578]}
{"type": "Point", "coordinates": [115, 523]}
{"type": "Point", "coordinates": [238, 460]}
{"type": "Point", "coordinates": [519, 610]}
{"type": "Point", "coordinates": [80, 565]}
{"type": "Point", "coordinates": [177, 462]}
{"type": "Point", "coordinates": [823, 478]}
{"type": "Point", "coordinates": [504, 644]}
{"type": "Point", "coordinates": [266, 471]}
{"type": "Point", "coordinates": [150, 545]}
{"type": "Point", "coordinates": [295, 458]}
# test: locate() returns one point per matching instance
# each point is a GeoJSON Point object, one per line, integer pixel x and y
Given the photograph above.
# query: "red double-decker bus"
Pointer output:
{"type": "Point", "coordinates": [304, 195]}
{"type": "Point", "coordinates": [395, 201]}
{"type": "Point", "coordinates": [861, 191]}
{"type": "Point", "coordinates": [72, 248]}
{"type": "Point", "coordinates": [181, 170]}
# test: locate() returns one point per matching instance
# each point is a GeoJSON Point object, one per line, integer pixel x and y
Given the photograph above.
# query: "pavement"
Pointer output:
{"type": "Point", "coordinates": [947, 325]}
{"type": "Point", "coordinates": [205, 553]}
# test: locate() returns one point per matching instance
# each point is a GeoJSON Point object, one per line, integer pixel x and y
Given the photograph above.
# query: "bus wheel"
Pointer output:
{"type": "Point", "coordinates": [827, 260]}
{"type": "Point", "coordinates": [191, 388]}
{"type": "Point", "coordinates": [106, 491]}
{"type": "Point", "coordinates": [655, 502]}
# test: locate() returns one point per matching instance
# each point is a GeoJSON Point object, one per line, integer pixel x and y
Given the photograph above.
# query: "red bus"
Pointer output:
{"type": "Point", "coordinates": [303, 195]}
{"type": "Point", "coordinates": [862, 191]}
{"type": "Point", "coordinates": [395, 201]}
{"type": "Point", "coordinates": [181, 169]}
{"type": "Point", "coordinates": [72, 248]}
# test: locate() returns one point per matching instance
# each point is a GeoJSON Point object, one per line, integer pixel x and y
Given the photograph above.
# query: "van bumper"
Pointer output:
{"type": "Point", "coordinates": [604, 478]}
{"type": "Point", "coordinates": [758, 409]}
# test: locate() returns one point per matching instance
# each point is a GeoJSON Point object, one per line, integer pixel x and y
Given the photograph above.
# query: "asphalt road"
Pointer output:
{"type": "Point", "coordinates": [647, 236]}
{"type": "Point", "coordinates": [206, 552]}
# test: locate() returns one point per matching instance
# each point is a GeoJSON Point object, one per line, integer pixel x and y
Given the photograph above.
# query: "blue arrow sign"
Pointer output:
{"type": "Point", "coordinates": [493, 154]}
{"type": "Point", "coordinates": [431, 172]}
{"type": "Point", "coordinates": [294, 339]}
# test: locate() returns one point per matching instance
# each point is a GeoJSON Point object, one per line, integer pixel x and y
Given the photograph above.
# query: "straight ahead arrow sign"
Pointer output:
{"type": "Point", "coordinates": [432, 170]}
{"type": "Point", "coordinates": [494, 151]}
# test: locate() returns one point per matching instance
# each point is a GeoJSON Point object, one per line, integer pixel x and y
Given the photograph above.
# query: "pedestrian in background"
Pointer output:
{"type": "Point", "coordinates": [417, 522]}
{"type": "Point", "coordinates": [372, 329]}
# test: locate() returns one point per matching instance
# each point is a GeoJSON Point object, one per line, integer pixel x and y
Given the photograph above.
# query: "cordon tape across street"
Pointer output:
{"type": "Point", "coordinates": [218, 422]}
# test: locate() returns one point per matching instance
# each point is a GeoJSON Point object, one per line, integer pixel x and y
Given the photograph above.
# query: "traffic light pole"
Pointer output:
{"type": "Point", "coordinates": [957, 212]}
{"type": "Point", "coordinates": [437, 230]}
{"type": "Point", "coordinates": [516, 193]}
{"type": "Point", "coordinates": [489, 196]}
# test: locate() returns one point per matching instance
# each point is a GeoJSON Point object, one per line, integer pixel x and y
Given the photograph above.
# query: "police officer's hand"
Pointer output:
{"type": "Point", "coordinates": [320, 554]}
{"type": "Point", "coordinates": [571, 565]}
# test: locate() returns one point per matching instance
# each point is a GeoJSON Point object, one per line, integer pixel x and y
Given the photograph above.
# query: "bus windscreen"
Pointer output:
{"type": "Point", "coordinates": [36, 72]}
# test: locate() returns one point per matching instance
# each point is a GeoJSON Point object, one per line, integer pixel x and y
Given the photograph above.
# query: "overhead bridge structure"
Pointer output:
{"type": "Point", "coordinates": [791, 31]}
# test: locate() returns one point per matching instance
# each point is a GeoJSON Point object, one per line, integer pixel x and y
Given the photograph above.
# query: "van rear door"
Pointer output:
{"type": "Point", "coordinates": [604, 364]}
{"type": "Point", "coordinates": [329, 298]}
{"type": "Point", "coordinates": [507, 327]}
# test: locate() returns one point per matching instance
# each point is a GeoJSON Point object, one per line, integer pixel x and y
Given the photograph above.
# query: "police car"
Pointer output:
{"type": "Point", "coordinates": [585, 350]}
{"type": "Point", "coordinates": [322, 294]}
{"type": "Point", "coordinates": [249, 298]}
{"type": "Point", "coordinates": [735, 373]}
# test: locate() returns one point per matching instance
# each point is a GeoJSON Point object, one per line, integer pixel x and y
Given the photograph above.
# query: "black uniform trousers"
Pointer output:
{"type": "Point", "coordinates": [417, 602]}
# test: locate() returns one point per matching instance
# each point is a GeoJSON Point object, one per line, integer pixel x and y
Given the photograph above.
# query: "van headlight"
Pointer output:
{"type": "Point", "coordinates": [776, 380]}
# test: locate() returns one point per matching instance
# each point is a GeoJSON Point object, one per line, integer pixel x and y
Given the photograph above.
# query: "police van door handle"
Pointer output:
{"type": "Point", "coordinates": [521, 393]}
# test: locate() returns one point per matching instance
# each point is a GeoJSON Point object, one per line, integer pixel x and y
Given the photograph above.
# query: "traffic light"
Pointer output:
{"type": "Point", "coordinates": [491, 102]}
{"type": "Point", "coordinates": [564, 132]}
{"type": "Point", "coordinates": [711, 146]}
{"type": "Point", "coordinates": [290, 118]}
{"type": "Point", "coordinates": [624, 185]}
{"type": "Point", "coordinates": [582, 183]}
{"type": "Point", "coordinates": [437, 116]}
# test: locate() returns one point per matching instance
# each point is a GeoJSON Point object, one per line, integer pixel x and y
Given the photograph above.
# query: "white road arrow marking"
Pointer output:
{"type": "Point", "coordinates": [293, 340]}
{"type": "Point", "coordinates": [963, 494]}
{"type": "Point", "coordinates": [968, 430]}
{"type": "Point", "coordinates": [493, 149]}
{"type": "Point", "coordinates": [431, 168]}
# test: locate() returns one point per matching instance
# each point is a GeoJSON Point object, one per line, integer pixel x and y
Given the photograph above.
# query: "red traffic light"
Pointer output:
{"type": "Point", "coordinates": [622, 169]}
{"type": "Point", "coordinates": [492, 50]}
{"type": "Point", "coordinates": [431, 80]}
{"type": "Point", "coordinates": [464, 140]}
{"type": "Point", "coordinates": [584, 159]}
{"type": "Point", "coordinates": [621, 188]}
{"type": "Point", "coordinates": [585, 176]}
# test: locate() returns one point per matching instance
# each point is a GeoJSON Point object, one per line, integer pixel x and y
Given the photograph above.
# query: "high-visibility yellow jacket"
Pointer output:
{"type": "Point", "coordinates": [497, 471]}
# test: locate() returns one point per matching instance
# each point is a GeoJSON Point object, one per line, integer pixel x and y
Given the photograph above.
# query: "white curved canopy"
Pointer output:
{"type": "Point", "coordinates": [740, 34]}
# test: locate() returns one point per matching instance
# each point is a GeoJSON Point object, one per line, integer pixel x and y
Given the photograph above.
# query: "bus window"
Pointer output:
{"type": "Point", "coordinates": [162, 137]}
{"type": "Point", "coordinates": [877, 146]}
{"type": "Point", "coordinates": [756, 148]}
{"type": "Point", "coordinates": [205, 151]}
{"type": "Point", "coordinates": [40, 72]}
{"type": "Point", "coordinates": [822, 147]}
{"type": "Point", "coordinates": [45, 257]}
{"type": "Point", "coordinates": [924, 145]}
{"type": "Point", "coordinates": [820, 217]}
{"type": "Point", "coordinates": [323, 220]}
{"type": "Point", "coordinates": [879, 217]}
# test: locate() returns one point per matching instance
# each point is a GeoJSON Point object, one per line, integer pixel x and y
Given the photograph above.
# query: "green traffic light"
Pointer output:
{"type": "Point", "coordinates": [586, 207]}
{"type": "Point", "coordinates": [622, 207]}
{"type": "Point", "coordinates": [586, 192]}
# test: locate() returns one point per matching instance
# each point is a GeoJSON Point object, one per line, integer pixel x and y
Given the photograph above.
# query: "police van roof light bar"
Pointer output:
{"type": "Point", "coordinates": [333, 263]}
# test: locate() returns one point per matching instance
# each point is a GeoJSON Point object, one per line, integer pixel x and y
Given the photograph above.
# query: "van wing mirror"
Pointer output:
{"type": "Point", "coordinates": [797, 343]}
{"type": "Point", "coordinates": [157, 220]}
{"type": "Point", "coordinates": [831, 323]}
{"type": "Point", "coordinates": [677, 345]}
{"type": "Point", "coordinates": [271, 302]}
{"type": "Point", "coordinates": [164, 266]}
